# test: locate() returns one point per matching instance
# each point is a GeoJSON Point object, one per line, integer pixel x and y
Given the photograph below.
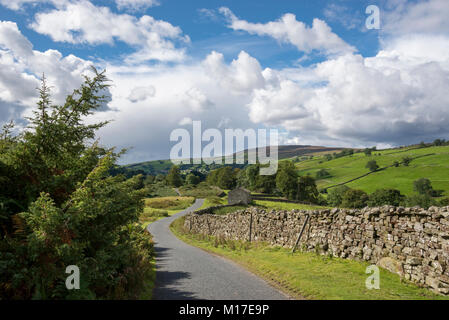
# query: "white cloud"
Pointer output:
{"type": "Point", "coordinates": [185, 121]}
{"type": "Point", "coordinates": [289, 30]}
{"type": "Point", "coordinates": [197, 100]}
{"type": "Point", "coordinates": [406, 17]}
{"type": "Point", "coordinates": [343, 15]}
{"type": "Point", "coordinates": [141, 93]}
{"type": "Point", "coordinates": [242, 76]}
{"type": "Point", "coordinates": [135, 5]}
{"type": "Point", "coordinates": [20, 4]}
{"type": "Point", "coordinates": [83, 22]}
{"type": "Point", "coordinates": [21, 67]}
{"type": "Point", "coordinates": [395, 97]}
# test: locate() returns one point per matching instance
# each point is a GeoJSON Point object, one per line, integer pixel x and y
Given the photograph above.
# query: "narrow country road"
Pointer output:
{"type": "Point", "coordinates": [186, 272]}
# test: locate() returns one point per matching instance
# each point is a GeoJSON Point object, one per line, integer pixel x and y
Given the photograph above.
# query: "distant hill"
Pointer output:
{"type": "Point", "coordinates": [155, 167]}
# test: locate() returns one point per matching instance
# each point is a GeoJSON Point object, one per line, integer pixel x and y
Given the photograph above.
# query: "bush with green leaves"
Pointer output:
{"type": "Point", "coordinates": [335, 195]}
{"type": "Point", "coordinates": [382, 197]}
{"type": "Point", "coordinates": [307, 190]}
{"type": "Point", "coordinates": [60, 206]}
{"type": "Point", "coordinates": [322, 173]}
{"type": "Point", "coordinates": [354, 199]}
{"type": "Point", "coordinates": [173, 177]}
{"type": "Point", "coordinates": [421, 200]}
{"type": "Point", "coordinates": [287, 179]}
{"type": "Point", "coordinates": [372, 165]}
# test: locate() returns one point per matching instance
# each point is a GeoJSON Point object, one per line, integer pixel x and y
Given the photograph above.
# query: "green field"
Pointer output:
{"type": "Point", "coordinates": [432, 164]}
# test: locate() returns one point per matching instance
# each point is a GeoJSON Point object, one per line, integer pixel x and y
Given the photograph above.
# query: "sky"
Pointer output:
{"type": "Point", "coordinates": [311, 69]}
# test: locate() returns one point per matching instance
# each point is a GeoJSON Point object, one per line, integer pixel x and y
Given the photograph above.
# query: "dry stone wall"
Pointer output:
{"type": "Point", "coordinates": [412, 242]}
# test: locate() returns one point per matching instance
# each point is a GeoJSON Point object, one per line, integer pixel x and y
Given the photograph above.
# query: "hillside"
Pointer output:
{"type": "Point", "coordinates": [288, 151]}
{"type": "Point", "coordinates": [430, 162]}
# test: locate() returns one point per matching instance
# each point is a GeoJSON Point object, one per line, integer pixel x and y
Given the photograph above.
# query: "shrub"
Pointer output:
{"type": "Point", "coordinates": [372, 165]}
{"type": "Point", "coordinates": [354, 198]}
{"type": "Point", "coordinates": [406, 161]}
{"type": "Point", "coordinates": [422, 200]}
{"type": "Point", "coordinates": [335, 197]}
{"type": "Point", "coordinates": [323, 173]}
{"type": "Point", "coordinates": [424, 186]}
{"type": "Point", "coordinates": [287, 179]}
{"type": "Point", "coordinates": [307, 190]}
{"type": "Point", "coordinates": [60, 206]}
{"type": "Point", "coordinates": [385, 197]}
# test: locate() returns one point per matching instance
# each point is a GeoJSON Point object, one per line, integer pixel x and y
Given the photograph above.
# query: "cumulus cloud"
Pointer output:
{"type": "Point", "coordinates": [406, 17]}
{"type": "Point", "coordinates": [289, 30]}
{"type": "Point", "coordinates": [242, 76]}
{"type": "Point", "coordinates": [141, 93]}
{"type": "Point", "coordinates": [197, 100]}
{"type": "Point", "coordinates": [135, 5]}
{"type": "Point", "coordinates": [21, 68]}
{"type": "Point", "coordinates": [184, 93]}
{"type": "Point", "coordinates": [83, 22]}
{"type": "Point", "coordinates": [391, 98]}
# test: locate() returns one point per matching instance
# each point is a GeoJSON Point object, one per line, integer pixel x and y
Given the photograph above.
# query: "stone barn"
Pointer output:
{"type": "Point", "coordinates": [239, 196]}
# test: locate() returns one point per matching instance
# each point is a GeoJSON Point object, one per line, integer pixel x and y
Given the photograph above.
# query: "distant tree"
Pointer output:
{"type": "Point", "coordinates": [266, 183]}
{"type": "Point", "coordinates": [335, 197]}
{"type": "Point", "coordinates": [149, 179]}
{"type": "Point", "coordinates": [438, 142]}
{"type": "Point", "coordinates": [422, 144]}
{"type": "Point", "coordinates": [423, 186]}
{"type": "Point", "coordinates": [322, 174]}
{"type": "Point", "coordinates": [287, 179]}
{"type": "Point", "coordinates": [252, 172]}
{"type": "Point", "coordinates": [328, 157]}
{"type": "Point", "coordinates": [307, 190]}
{"type": "Point", "coordinates": [372, 165]}
{"type": "Point", "coordinates": [406, 161]}
{"type": "Point", "coordinates": [226, 178]}
{"type": "Point", "coordinates": [421, 200]}
{"type": "Point", "coordinates": [174, 177]}
{"type": "Point", "coordinates": [192, 179]}
{"type": "Point", "coordinates": [385, 197]}
{"type": "Point", "coordinates": [160, 178]}
{"type": "Point", "coordinates": [355, 199]}
{"type": "Point", "coordinates": [367, 151]}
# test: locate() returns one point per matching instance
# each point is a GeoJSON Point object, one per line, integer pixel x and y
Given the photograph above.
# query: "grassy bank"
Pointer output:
{"type": "Point", "coordinates": [307, 275]}
{"type": "Point", "coordinates": [158, 208]}
{"type": "Point", "coordinates": [286, 206]}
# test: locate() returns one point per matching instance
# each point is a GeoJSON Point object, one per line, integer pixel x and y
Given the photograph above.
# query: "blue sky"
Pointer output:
{"type": "Point", "coordinates": [308, 68]}
{"type": "Point", "coordinates": [207, 28]}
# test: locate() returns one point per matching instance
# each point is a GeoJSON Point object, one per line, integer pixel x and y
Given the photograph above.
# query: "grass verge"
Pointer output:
{"type": "Point", "coordinates": [158, 208]}
{"type": "Point", "coordinates": [307, 275]}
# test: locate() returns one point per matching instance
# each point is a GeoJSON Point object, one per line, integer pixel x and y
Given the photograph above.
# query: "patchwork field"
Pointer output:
{"type": "Point", "coordinates": [430, 162]}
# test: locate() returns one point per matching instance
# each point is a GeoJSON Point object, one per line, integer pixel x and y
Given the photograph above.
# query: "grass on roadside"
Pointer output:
{"type": "Point", "coordinates": [286, 206]}
{"type": "Point", "coordinates": [158, 208]}
{"type": "Point", "coordinates": [202, 190]}
{"type": "Point", "coordinates": [307, 275]}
